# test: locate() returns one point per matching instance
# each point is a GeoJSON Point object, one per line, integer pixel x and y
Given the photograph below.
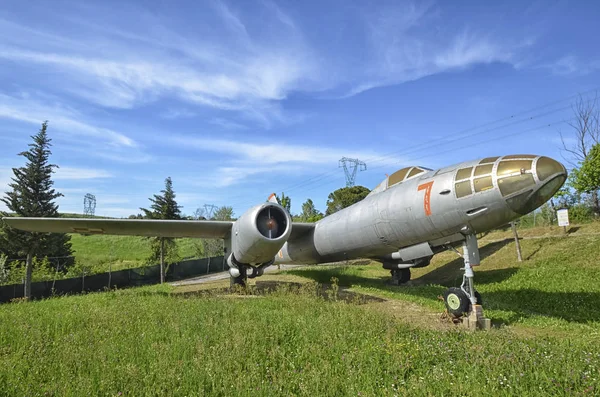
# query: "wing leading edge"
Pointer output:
{"type": "Point", "coordinates": [137, 227]}
{"type": "Point", "coordinates": [125, 227]}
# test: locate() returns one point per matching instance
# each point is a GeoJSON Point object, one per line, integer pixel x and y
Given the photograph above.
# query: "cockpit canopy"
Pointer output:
{"type": "Point", "coordinates": [399, 177]}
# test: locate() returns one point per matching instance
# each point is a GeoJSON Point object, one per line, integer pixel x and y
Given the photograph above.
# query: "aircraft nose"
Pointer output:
{"type": "Point", "coordinates": [551, 175]}
{"type": "Point", "coordinates": [547, 167]}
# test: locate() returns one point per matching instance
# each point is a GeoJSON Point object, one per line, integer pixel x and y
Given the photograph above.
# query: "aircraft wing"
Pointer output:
{"type": "Point", "coordinates": [299, 229]}
{"type": "Point", "coordinates": [126, 227]}
{"type": "Point", "coordinates": [137, 227]}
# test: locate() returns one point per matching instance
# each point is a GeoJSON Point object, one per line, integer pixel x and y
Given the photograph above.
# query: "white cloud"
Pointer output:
{"type": "Point", "coordinates": [231, 71]}
{"type": "Point", "coordinates": [270, 153]}
{"type": "Point", "coordinates": [236, 61]}
{"type": "Point", "coordinates": [73, 173]}
{"type": "Point", "coordinates": [227, 124]}
{"type": "Point", "coordinates": [407, 42]}
{"type": "Point", "coordinates": [223, 177]}
{"type": "Point", "coordinates": [467, 49]}
{"type": "Point", "coordinates": [571, 65]}
{"type": "Point", "coordinates": [26, 109]}
{"type": "Point", "coordinates": [180, 113]}
{"type": "Point", "coordinates": [5, 178]}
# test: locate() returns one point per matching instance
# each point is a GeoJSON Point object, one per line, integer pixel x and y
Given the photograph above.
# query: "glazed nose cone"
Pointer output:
{"type": "Point", "coordinates": [547, 168]}
{"type": "Point", "coordinates": [551, 176]}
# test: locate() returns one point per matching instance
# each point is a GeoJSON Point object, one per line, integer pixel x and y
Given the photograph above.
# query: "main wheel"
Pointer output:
{"type": "Point", "coordinates": [241, 279]}
{"type": "Point", "coordinates": [400, 276]}
{"type": "Point", "coordinates": [457, 302]}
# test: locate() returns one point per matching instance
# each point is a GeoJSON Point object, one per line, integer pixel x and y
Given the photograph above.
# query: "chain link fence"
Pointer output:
{"type": "Point", "coordinates": [118, 279]}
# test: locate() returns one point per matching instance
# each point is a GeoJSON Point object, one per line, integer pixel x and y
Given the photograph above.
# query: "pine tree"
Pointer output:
{"type": "Point", "coordinates": [163, 207]}
{"type": "Point", "coordinates": [32, 195]}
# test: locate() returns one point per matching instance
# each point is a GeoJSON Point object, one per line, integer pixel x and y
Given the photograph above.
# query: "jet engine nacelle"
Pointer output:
{"type": "Point", "coordinates": [259, 234]}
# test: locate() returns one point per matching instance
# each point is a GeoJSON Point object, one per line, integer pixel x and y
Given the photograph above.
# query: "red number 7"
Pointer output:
{"type": "Point", "coordinates": [427, 200]}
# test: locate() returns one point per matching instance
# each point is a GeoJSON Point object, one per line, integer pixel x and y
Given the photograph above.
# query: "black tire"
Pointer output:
{"type": "Point", "coordinates": [457, 302]}
{"type": "Point", "coordinates": [239, 280]}
{"type": "Point", "coordinates": [404, 275]}
{"type": "Point", "coordinates": [478, 299]}
{"type": "Point", "coordinates": [400, 276]}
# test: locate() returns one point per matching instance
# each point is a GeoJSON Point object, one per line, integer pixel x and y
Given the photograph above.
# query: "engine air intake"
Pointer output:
{"type": "Point", "coordinates": [271, 222]}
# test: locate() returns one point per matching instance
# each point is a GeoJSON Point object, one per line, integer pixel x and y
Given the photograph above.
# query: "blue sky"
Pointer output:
{"type": "Point", "coordinates": [237, 99]}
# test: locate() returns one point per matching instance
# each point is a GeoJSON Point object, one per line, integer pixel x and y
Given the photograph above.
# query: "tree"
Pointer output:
{"type": "Point", "coordinates": [285, 201]}
{"type": "Point", "coordinates": [586, 126]}
{"type": "Point", "coordinates": [224, 213]}
{"type": "Point", "coordinates": [586, 179]}
{"type": "Point", "coordinates": [163, 206]}
{"type": "Point", "coordinates": [4, 269]}
{"type": "Point", "coordinates": [309, 212]}
{"type": "Point", "coordinates": [210, 247]}
{"type": "Point", "coordinates": [32, 195]}
{"type": "Point", "coordinates": [345, 197]}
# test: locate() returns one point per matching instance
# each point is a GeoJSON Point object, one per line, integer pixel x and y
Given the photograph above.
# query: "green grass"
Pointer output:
{"type": "Point", "coordinates": [123, 252]}
{"type": "Point", "coordinates": [152, 341]}
{"type": "Point", "coordinates": [556, 287]}
{"type": "Point", "coordinates": [147, 341]}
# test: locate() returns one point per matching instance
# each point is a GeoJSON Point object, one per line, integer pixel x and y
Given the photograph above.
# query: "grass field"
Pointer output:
{"type": "Point", "coordinates": [186, 341]}
{"type": "Point", "coordinates": [124, 252]}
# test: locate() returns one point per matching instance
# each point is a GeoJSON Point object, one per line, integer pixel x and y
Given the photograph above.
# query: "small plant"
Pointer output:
{"type": "Point", "coordinates": [4, 271]}
{"type": "Point", "coordinates": [335, 288]}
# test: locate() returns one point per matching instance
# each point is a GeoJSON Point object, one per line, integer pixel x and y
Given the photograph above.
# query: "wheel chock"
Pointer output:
{"type": "Point", "coordinates": [476, 320]}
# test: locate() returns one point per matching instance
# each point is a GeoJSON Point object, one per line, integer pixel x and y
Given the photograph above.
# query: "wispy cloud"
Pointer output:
{"type": "Point", "coordinates": [74, 173]}
{"type": "Point", "coordinates": [407, 42]}
{"type": "Point", "coordinates": [27, 109]}
{"type": "Point", "coordinates": [571, 65]}
{"type": "Point", "coordinates": [77, 133]}
{"type": "Point", "coordinates": [236, 71]}
{"type": "Point", "coordinates": [180, 113]}
{"type": "Point", "coordinates": [266, 153]}
{"type": "Point", "coordinates": [236, 61]}
{"type": "Point", "coordinates": [227, 124]}
{"type": "Point", "coordinates": [223, 177]}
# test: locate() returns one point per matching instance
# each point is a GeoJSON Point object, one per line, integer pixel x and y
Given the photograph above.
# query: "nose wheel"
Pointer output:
{"type": "Point", "coordinates": [458, 302]}
{"type": "Point", "coordinates": [466, 300]}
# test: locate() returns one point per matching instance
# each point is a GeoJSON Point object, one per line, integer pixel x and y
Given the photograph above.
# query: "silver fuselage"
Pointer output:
{"type": "Point", "coordinates": [435, 207]}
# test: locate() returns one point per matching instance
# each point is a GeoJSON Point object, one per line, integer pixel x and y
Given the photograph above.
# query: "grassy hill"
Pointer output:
{"type": "Point", "coordinates": [186, 341]}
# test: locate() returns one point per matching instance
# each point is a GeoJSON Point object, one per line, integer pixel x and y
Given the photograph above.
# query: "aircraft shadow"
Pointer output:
{"type": "Point", "coordinates": [581, 307]}
{"type": "Point", "coordinates": [450, 275]}
{"type": "Point", "coordinates": [520, 303]}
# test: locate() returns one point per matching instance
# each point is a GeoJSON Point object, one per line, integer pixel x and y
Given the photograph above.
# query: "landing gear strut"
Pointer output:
{"type": "Point", "coordinates": [400, 276]}
{"type": "Point", "coordinates": [241, 278]}
{"type": "Point", "coordinates": [466, 300]}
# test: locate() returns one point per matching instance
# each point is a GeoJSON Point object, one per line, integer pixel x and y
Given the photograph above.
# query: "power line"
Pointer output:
{"type": "Point", "coordinates": [435, 153]}
{"type": "Point", "coordinates": [425, 145]}
{"type": "Point", "coordinates": [470, 145]}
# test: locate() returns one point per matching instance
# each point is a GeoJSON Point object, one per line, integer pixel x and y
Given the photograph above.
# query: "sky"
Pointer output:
{"type": "Point", "coordinates": [235, 100]}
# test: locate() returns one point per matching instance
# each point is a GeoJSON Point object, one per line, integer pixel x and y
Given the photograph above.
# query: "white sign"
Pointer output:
{"type": "Point", "coordinates": [563, 217]}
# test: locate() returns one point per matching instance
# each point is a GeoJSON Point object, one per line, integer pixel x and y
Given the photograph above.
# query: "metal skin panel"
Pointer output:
{"type": "Point", "coordinates": [401, 218]}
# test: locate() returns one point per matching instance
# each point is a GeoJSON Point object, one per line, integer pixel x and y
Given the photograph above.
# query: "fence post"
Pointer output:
{"type": "Point", "coordinates": [517, 243]}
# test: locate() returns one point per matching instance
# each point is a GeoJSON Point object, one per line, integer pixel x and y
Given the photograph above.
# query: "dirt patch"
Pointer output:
{"type": "Point", "coordinates": [266, 288]}
{"type": "Point", "coordinates": [405, 312]}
